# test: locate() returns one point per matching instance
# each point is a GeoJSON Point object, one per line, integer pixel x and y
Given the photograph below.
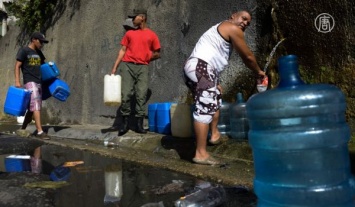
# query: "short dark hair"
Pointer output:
{"type": "Point", "coordinates": [243, 10]}
{"type": "Point", "coordinates": [137, 12]}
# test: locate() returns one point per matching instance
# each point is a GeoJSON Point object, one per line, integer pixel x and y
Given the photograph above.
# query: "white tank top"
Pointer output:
{"type": "Point", "coordinates": [213, 48]}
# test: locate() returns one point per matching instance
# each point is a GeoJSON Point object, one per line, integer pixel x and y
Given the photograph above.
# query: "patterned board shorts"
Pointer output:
{"type": "Point", "coordinates": [202, 80]}
{"type": "Point", "coordinates": [36, 96]}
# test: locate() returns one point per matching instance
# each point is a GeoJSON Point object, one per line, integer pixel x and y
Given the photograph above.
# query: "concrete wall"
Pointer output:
{"type": "Point", "coordinates": [84, 41]}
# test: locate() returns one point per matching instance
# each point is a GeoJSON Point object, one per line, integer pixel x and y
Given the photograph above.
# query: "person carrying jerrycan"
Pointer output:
{"type": "Point", "coordinates": [139, 48]}
{"type": "Point", "coordinates": [29, 60]}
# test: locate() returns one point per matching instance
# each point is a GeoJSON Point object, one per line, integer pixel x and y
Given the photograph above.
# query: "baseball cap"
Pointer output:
{"type": "Point", "coordinates": [39, 36]}
{"type": "Point", "coordinates": [128, 24]}
{"type": "Point", "coordinates": [136, 12]}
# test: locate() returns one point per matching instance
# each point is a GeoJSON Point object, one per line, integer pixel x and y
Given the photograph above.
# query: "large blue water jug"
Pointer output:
{"type": "Point", "coordinates": [239, 126]}
{"type": "Point", "coordinates": [299, 136]}
{"type": "Point", "coordinates": [224, 122]}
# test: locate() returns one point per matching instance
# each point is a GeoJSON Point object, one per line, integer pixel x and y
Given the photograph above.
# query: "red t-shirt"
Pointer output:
{"type": "Point", "coordinates": [140, 45]}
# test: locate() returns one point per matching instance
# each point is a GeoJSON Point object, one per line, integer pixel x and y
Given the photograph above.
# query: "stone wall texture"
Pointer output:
{"type": "Point", "coordinates": [85, 35]}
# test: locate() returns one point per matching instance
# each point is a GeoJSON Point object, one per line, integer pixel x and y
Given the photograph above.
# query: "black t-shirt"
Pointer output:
{"type": "Point", "coordinates": [31, 64]}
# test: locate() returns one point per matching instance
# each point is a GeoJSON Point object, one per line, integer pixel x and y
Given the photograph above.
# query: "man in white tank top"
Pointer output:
{"type": "Point", "coordinates": [208, 59]}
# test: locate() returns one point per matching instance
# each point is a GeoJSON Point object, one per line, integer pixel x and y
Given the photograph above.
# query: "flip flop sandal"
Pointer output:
{"type": "Point", "coordinates": [208, 161]}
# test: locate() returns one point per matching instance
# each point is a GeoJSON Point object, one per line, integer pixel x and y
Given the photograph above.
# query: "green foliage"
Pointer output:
{"type": "Point", "coordinates": [32, 14]}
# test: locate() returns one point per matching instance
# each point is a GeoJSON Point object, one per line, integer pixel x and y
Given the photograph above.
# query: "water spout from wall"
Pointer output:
{"type": "Point", "coordinates": [272, 54]}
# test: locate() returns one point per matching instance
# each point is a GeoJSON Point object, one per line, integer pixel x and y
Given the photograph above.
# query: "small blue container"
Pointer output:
{"type": "Point", "coordinates": [152, 117]}
{"type": "Point", "coordinates": [17, 163]}
{"type": "Point", "coordinates": [163, 118]}
{"type": "Point", "coordinates": [49, 71]}
{"type": "Point", "coordinates": [17, 100]}
{"type": "Point", "coordinates": [59, 90]}
{"type": "Point", "coordinates": [60, 173]}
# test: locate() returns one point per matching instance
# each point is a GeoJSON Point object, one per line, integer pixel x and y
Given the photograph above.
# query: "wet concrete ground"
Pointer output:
{"type": "Point", "coordinates": [13, 194]}
{"type": "Point", "coordinates": [155, 150]}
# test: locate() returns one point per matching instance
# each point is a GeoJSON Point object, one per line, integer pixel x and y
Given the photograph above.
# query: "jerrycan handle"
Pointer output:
{"type": "Point", "coordinates": [51, 65]}
{"type": "Point", "coordinates": [288, 72]}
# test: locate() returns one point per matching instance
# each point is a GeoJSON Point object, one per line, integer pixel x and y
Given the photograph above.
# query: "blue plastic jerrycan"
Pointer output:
{"type": "Point", "coordinates": [299, 138]}
{"type": "Point", "coordinates": [152, 117]}
{"type": "Point", "coordinates": [163, 121]}
{"type": "Point", "coordinates": [49, 71]}
{"type": "Point", "coordinates": [60, 173]}
{"type": "Point", "coordinates": [17, 101]}
{"type": "Point", "coordinates": [59, 89]}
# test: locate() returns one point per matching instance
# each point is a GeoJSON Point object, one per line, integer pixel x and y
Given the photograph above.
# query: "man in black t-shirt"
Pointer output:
{"type": "Point", "coordinates": [28, 61]}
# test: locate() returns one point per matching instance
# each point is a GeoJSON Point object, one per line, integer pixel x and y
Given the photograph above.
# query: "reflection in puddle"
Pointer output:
{"type": "Point", "coordinates": [127, 184]}
{"type": "Point", "coordinates": [113, 183]}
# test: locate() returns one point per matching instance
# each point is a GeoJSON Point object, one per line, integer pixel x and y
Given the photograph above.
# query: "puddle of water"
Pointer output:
{"type": "Point", "coordinates": [140, 184]}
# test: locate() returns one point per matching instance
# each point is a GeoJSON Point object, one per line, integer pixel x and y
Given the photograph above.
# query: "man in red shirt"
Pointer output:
{"type": "Point", "coordinates": [139, 47]}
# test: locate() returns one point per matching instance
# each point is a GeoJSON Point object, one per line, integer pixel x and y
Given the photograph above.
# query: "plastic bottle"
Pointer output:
{"type": "Point", "coordinates": [108, 143]}
{"type": "Point", "coordinates": [238, 119]}
{"type": "Point", "coordinates": [203, 197]}
{"type": "Point", "coordinates": [299, 136]}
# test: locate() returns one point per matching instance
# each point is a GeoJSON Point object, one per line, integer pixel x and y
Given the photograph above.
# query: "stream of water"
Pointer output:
{"type": "Point", "coordinates": [272, 54]}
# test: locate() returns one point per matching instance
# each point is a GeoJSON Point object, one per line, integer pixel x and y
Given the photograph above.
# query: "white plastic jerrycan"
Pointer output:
{"type": "Point", "coordinates": [112, 90]}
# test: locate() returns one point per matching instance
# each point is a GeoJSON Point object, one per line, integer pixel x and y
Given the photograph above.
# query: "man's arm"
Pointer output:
{"type": "Point", "coordinates": [237, 38]}
{"type": "Point", "coordinates": [155, 55]}
{"type": "Point", "coordinates": [120, 55]}
{"type": "Point", "coordinates": [17, 74]}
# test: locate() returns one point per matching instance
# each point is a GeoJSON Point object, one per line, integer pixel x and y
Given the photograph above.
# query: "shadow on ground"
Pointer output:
{"type": "Point", "coordinates": [185, 147]}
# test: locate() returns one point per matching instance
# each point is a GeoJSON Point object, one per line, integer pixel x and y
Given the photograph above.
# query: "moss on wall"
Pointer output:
{"type": "Point", "coordinates": [323, 57]}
